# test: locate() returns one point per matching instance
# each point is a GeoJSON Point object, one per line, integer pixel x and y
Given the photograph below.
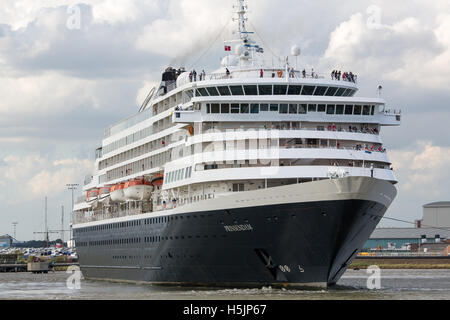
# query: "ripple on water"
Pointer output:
{"type": "Point", "coordinates": [395, 284]}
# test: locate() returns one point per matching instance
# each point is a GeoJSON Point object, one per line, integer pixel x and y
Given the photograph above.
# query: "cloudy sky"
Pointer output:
{"type": "Point", "coordinates": [68, 69]}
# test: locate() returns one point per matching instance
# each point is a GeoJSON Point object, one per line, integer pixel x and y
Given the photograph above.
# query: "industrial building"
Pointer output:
{"type": "Point", "coordinates": [436, 214]}
{"type": "Point", "coordinates": [401, 238]}
{"type": "Point", "coordinates": [431, 233]}
{"type": "Point", "coordinates": [6, 241]}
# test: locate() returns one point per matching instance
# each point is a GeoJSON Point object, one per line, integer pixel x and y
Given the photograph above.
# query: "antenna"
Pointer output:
{"type": "Point", "coordinates": [379, 90]}
{"type": "Point", "coordinates": [14, 224]}
{"type": "Point", "coordinates": [46, 226]}
{"type": "Point", "coordinates": [72, 187]}
{"type": "Point", "coordinates": [62, 224]}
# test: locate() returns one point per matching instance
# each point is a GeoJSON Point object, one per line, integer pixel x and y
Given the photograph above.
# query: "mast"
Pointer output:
{"type": "Point", "coordinates": [247, 47]}
{"type": "Point", "coordinates": [242, 19]}
{"type": "Point", "coordinates": [46, 226]}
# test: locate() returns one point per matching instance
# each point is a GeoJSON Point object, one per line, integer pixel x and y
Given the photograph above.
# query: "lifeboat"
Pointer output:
{"type": "Point", "coordinates": [158, 180]}
{"type": "Point", "coordinates": [92, 195]}
{"type": "Point", "coordinates": [117, 194]}
{"type": "Point", "coordinates": [138, 190]}
{"type": "Point", "coordinates": [104, 194]}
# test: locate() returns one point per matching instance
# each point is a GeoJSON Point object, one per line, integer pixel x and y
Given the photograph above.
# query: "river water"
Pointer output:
{"type": "Point", "coordinates": [395, 284]}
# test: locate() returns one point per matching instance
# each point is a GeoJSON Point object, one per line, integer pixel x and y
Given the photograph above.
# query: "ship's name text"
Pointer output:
{"type": "Point", "coordinates": [238, 228]}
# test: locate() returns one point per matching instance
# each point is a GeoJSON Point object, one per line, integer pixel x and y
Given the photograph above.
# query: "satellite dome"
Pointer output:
{"type": "Point", "coordinates": [230, 61]}
{"type": "Point", "coordinates": [239, 50]}
{"type": "Point", "coordinates": [295, 51]}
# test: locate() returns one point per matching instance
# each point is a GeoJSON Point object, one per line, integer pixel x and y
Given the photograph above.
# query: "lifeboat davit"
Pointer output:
{"type": "Point", "coordinates": [158, 180]}
{"type": "Point", "coordinates": [117, 194]}
{"type": "Point", "coordinates": [104, 194]}
{"type": "Point", "coordinates": [138, 190]}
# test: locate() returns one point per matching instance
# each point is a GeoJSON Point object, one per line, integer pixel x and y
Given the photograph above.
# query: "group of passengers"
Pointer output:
{"type": "Point", "coordinates": [346, 76]}
{"type": "Point", "coordinates": [371, 148]}
{"type": "Point", "coordinates": [313, 74]}
{"type": "Point", "coordinates": [291, 73]}
{"type": "Point", "coordinates": [364, 129]}
{"type": "Point", "coordinates": [193, 76]}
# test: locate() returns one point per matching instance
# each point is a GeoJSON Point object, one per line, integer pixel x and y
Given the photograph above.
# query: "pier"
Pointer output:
{"type": "Point", "coordinates": [23, 267]}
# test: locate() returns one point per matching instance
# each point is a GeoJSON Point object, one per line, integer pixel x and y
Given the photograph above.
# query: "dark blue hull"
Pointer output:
{"type": "Point", "coordinates": [293, 244]}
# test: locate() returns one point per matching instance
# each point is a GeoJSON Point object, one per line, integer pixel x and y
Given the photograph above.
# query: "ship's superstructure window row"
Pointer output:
{"type": "Point", "coordinates": [161, 143]}
{"type": "Point", "coordinates": [158, 126]}
{"type": "Point", "coordinates": [178, 175]}
{"type": "Point", "coordinates": [290, 108]}
{"type": "Point", "coordinates": [277, 89]}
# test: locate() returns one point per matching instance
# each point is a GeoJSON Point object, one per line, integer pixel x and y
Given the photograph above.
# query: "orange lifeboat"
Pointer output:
{"type": "Point", "coordinates": [104, 193]}
{"type": "Point", "coordinates": [117, 194]}
{"type": "Point", "coordinates": [158, 180]}
{"type": "Point", "coordinates": [92, 195]}
{"type": "Point", "coordinates": [138, 190]}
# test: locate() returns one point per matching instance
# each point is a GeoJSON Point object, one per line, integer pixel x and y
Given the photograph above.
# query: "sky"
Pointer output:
{"type": "Point", "coordinates": [69, 69]}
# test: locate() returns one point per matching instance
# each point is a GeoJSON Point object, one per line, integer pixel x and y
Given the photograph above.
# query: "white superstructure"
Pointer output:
{"type": "Point", "coordinates": [243, 127]}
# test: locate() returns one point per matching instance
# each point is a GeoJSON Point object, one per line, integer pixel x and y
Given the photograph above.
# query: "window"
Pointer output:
{"type": "Point", "coordinates": [320, 91]}
{"type": "Point", "coordinates": [321, 108]}
{"type": "Point", "coordinates": [238, 187]}
{"type": "Point", "coordinates": [244, 108]}
{"type": "Point", "coordinates": [237, 90]}
{"type": "Point", "coordinates": [279, 89]}
{"type": "Point", "coordinates": [330, 109]}
{"type": "Point", "coordinates": [331, 91]}
{"type": "Point", "coordinates": [251, 90]}
{"type": "Point", "coordinates": [208, 108]}
{"type": "Point", "coordinates": [294, 90]}
{"type": "Point", "coordinates": [265, 90]}
{"type": "Point", "coordinates": [347, 93]}
{"type": "Point", "coordinates": [224, 91]}
{"type": "Point", "coordinates": [308, 90]}
{"type": "Point", "coordinates": [352, 93]}
{"type": "Point", "coordinates": [215, 108]}
{"type": "Point", "coordinates": [357, 110]}
{"type": "Point", "coordinates": [264, 107]}
{"type": "Point", "coordinates": [254, 108]}
{"type": "Point", "coordinates": [366, 110]}
{"type": "Point", "coordinates": [293, 109]}
{"type": "Point", "coordinates": [274, 107]}
{"type": "Point", "coordinates": [302, 108]}
{"type": "Point", "coordinates": [372, 110]}
{"type": "Point", "coordinates": [235, 108]}
{"type": "Point", "coordinates": [348, 109]}
{"type": "Point", "coordinates": [340, 92]}
{"type": "Point", "coordinates": [212, 91]}
{"type": "Point", "coordinates": [225, 108]}
{"type": "Point", "coordinates": [202, 92]}
{"type": "Point", "coordinates": [284, 108]}
{"type": "Point", "coordinates": [340, 109]}
{"type": "Point", "coordinates": [312, 108]}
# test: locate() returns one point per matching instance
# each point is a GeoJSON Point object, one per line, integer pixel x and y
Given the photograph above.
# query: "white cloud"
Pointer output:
{"type": "Point", "coordinates": [187, 27]}
{"type": "Point", "coordinates": [411, 51]}
{"type": "Point", "coordinates": [19, 13]}
{"type": "Point", "coordinates": [423, 170]}
{"type": "Point", "coordinates": [33, 176]}
{"type": "Point", "coordinates": [42, 94]}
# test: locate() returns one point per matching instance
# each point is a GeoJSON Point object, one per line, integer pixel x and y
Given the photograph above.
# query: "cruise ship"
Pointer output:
{"type": "Point", "coordinates": [248, 176]}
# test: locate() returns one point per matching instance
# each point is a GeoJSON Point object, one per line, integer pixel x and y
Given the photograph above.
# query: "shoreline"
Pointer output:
{"type": "Point", "coordinates": [419, 262]}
